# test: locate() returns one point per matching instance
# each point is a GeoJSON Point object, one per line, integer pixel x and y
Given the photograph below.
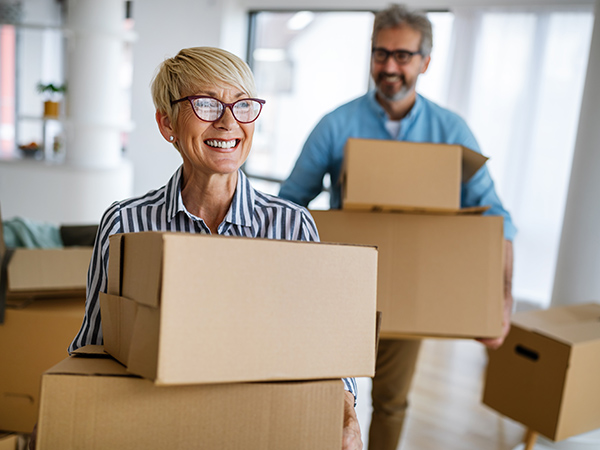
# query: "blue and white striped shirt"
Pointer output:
{"type": "Point", "coordinates": [251, 214]}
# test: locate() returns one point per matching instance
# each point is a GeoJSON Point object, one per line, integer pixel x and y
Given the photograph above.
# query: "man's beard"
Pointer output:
{"type": "Point", "coordinates": [401, 94]}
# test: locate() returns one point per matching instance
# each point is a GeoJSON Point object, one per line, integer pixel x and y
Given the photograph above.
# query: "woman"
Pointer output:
{"type": "Point", "coordinates": [206, 107]}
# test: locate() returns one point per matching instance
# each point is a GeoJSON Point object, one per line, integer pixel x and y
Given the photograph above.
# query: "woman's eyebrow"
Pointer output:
{"type": "Point", "coordinates": [214, 94]}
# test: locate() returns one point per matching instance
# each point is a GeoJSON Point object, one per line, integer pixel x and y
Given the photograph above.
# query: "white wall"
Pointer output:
{"type": "Point", "coordinates": [163, 31]}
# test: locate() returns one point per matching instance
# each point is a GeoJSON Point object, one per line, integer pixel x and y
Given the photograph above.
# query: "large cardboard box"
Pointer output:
{"type": "Point", "coordinates": [56, 272]}
{"type": "Point", "coordinates": [545, 375]}
{"type": "Point", "coordinates": [95, 403]}
{"type": "Point", "coordinates": [188, 308]}
{"type": "Point", "coordinates": [32, 339]}
{"type": "Point", "coordinates": [439, 275]}
{"type": "Point", "coordinates": [395, 175]}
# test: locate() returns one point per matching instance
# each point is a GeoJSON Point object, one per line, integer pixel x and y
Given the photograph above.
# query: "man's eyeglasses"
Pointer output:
{"type": "Point", "coordinates": [209, 109]}
{"type": "Point", "coordinates": [381, 55]}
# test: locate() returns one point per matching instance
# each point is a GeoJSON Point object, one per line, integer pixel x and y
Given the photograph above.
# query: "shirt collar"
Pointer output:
{"type": "Point", "coordinates": [375, 106]}
{"type": "Point", "coordinates": [414, 111]}
{"type": "Point", "coordinates": [173, 195]}
{"type": "Point", "coordinates": [240, 211]}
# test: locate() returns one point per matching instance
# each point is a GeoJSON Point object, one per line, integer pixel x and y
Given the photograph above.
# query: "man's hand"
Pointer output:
{"type": "Point", "coordinates": [351, 435]}
{"type": "Point", "coordinates": [494, 343]}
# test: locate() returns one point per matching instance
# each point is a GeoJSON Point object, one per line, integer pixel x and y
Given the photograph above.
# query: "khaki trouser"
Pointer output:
{"type": "Point", "coordinates": [396, 362]}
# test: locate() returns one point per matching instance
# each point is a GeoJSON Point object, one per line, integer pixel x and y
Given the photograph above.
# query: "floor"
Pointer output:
{"type": "Point", "coordinates": [446, 412]}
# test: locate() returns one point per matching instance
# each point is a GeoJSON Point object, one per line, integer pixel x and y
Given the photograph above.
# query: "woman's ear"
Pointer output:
{"type": "Point", "coordinates": [165, 126]}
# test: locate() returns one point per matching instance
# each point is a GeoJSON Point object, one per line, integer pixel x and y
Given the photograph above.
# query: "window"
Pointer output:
{"type": "Point", "coordinates": [7, 89]}
{"type": "Point", "coordinates": [39, 59]}
{"type": "Point", "coordinates": [515, 75]}
{"type": "Point", "coordinates": [30, 54]}
{"type": "Point", "coordinates": [521, 95]}
{"type": "Point", "coordinates": [303, 70]}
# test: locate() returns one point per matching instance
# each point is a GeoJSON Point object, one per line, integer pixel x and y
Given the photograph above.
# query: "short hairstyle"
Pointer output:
{"type": "Point", "coordinates": [398, 15]}
{"type": "Point", "coordinates": [195, 68]}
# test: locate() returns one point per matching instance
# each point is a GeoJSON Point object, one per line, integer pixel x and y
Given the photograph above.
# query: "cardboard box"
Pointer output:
{"type": "Point", "coordinates": [189, 308]}
{"type": "Point", "coordinates": [95, 403]}
{"type": "Point", "coordinates": [395, 175]}
{"type": "Point", "coordinates": [32, 339]}
{"type": "Point", "coordinates": [45, 273]}
{"type": "Point", "coordinates": [37, 273]}
{"type": "Point", "coordinates": [545, 375]}
{"type": "Point", "coordinates": [439, 275]}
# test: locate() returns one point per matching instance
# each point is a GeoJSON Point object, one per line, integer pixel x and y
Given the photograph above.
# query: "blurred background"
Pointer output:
{"type": "Point", "coordinates": [516, 71]}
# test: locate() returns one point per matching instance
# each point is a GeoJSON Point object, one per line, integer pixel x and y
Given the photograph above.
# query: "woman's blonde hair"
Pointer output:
{"type": "Point", "coordinates": [195, 68]}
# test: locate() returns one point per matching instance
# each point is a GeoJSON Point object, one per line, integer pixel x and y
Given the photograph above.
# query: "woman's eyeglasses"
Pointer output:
{"type": "Point", "coordinates": [209, 109]}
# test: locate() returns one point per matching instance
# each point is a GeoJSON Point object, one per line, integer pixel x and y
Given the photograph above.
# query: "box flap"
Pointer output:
{"type": "Point", "coordinates": [574, 333]}
{"type": "Point", "coordinates": [472, 210]}
{"type": "Point", "coordinates": [92, 366]}
{"type": "Point", "coordinates": [115, 262]}
{"type": "Point", "coordinates": [142, 265]}
{"type": "Point", "coordinates": [118, 319]}
{"type": "Point", "coordinates": [95, 351]}
{"type": "Point", "coordinates": [472, 161]}
{"type": "Point", "coordinates": [569, 324]}
{"type": "Point", "coordinates": [144, 351]}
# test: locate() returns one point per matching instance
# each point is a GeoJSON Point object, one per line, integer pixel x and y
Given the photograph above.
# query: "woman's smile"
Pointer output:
{"type": "Point", "coordinates": [222, 144]}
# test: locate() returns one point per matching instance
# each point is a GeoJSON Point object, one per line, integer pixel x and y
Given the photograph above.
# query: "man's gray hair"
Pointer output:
{"type": "Point", "coordinates": [397, 15]}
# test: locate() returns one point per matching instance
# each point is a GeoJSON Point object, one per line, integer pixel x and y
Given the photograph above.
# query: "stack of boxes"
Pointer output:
{"type": "Point", "coordinates": [221, 342]}
{"type": "Point", "coordinates": [440, 266]}
{"type": "Point", "coordinates": [42, 298]}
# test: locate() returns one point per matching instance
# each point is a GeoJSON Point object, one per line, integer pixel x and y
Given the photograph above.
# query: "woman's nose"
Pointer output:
{"type": "Point", "coordinates": [227, 120]}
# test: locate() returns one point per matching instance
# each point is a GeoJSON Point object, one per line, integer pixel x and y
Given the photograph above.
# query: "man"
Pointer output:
{"type": "Point", "coordinates": [402, 42]}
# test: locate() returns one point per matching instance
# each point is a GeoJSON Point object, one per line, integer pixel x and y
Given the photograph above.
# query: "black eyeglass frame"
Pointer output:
{"type": "Point", "coordinates": [395, 53]}
{"type": "Point", "coordinates": [191, 98]}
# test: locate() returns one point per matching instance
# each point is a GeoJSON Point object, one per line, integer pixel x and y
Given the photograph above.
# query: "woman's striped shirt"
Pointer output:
{"type": "Point", "coordinates": [251, 214]}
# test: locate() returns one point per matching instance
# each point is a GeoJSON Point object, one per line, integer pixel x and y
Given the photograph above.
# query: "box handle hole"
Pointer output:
{"type": "Point", "coordinates": [527, 353]}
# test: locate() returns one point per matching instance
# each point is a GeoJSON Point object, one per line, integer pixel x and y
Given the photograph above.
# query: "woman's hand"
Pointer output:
{"type": "Point", "coordinates": [351, 435]}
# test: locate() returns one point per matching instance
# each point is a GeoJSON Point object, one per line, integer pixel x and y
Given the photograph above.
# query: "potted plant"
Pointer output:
{"type": "Point", "coordinates": [52, 93]}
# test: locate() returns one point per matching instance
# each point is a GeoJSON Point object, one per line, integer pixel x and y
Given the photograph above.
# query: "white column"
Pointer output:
{"type": "Point", "coordinates": [577, 276]}
{"type": "Point", "coordinates": [94, 173]}
{"type": "Point", "coordinates": [95, 44]}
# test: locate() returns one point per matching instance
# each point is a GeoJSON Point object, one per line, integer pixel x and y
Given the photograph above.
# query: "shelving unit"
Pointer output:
{"type": "Point", "coordinates": [50, 132]}
{"type": "Point", "coordinates": [37, 55]}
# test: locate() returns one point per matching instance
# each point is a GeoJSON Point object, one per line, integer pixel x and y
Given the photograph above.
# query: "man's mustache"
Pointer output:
{"type": "Point", "coordinates": [383, 75]}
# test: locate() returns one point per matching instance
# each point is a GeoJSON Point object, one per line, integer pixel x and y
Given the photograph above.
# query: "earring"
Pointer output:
{"type": "Point", "coordinates": [171, 138]}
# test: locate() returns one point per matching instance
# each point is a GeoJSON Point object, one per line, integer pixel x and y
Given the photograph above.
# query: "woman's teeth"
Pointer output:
{"type": "Point", "coordinates": [221, 144]}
